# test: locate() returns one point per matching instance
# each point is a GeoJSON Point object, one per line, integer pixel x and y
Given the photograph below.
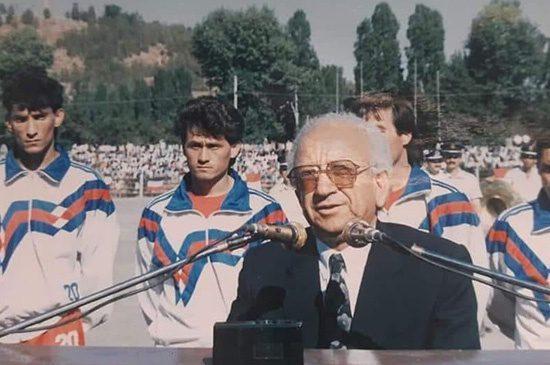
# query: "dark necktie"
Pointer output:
{"type": "Point", "coordinates": [337, 306]}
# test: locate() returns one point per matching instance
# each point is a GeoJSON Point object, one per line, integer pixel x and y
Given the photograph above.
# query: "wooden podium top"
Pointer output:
{"type": "Point", "coordinates": [45, 355]}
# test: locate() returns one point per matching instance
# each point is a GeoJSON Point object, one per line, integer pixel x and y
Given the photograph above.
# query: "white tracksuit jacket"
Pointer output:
{"type": "Point", "coordinates": [182, 311]}
{"type": "Point", "coordinates": [58, 238]}
{"type": "Point", "coordinates": [440, 208]}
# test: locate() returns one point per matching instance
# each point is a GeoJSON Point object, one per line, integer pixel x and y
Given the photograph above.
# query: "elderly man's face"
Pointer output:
{"type": "Point", "coordinates": [327, 207]}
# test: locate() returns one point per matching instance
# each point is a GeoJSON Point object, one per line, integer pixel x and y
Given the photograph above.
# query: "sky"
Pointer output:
{"type": "Point", "coordinates": [333, 22]}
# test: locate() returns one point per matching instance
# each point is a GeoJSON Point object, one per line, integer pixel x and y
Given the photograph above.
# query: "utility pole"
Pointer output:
{"type": "Point", "coordinates": [337, 90]}
{"type": "Point", "coordinates": [361, 72]}
{"type": "Point", "coordinates": [415, 91]}
{"type": "Point", "coordinates": [295, 109]}
{"type": "Point", "coordinates": [235, 97]}
{"type": "Point", "coordinates": [438, 108]}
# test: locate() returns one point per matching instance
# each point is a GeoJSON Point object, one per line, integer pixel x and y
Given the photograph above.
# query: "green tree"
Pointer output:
{"type": "Point", "coordinates": [426, 36]}
{"type": "Point", "coordinates": [252, 45]}
{"type": "Point", "coordinates": [112, 11]}
{"type": "Point", "coordinates": [459, 92]}
{"type": "Point", "coordinates": [75, 12]}
{"type": "Point", "coordinates": [299, 31]}
{"type": "Point", "coordinates": [545, 72]}
{"type": "Point", "coordinates": [21, 49]}
{"type": "Point", "coordinates": [91, 14]}
{"type": "Point", "coordinates": [141, 95]}
{"type": "Point", "coordinates": [378, 49]}
{"type": "Point", "coordinates": [3, 10]}
{"type": "Point", "coordinates": [47, 13]}
{"type": "Point", "coordinates": [28, 17]}
{"type": "Point", "coordinates": [172, 88]}
{"type": "Point", "coordinates": [505, 56]}
{"type": "Point", "coordinates": [364, 52]}
{"type": "Point", "coordinates": [10, 15]}
{"type": "Point", "coordinates": [388, 56]}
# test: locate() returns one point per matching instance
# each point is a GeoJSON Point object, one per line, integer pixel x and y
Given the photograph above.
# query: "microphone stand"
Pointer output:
{"type": "Point", "coordinates": [229, 244]}
{"type": "Point", "coordinates": [474, 268]}
{"type": "Point", "coordinates": [360, 234]}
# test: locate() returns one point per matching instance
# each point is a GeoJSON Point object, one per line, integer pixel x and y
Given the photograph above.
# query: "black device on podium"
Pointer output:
{"type": "Point", "coordinates": [264, 342]}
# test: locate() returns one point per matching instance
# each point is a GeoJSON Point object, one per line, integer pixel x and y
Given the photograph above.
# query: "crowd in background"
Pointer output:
{"type": "Point", "coordinates": [159, 167]}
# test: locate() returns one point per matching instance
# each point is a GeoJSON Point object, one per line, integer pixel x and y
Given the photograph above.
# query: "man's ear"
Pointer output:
{"type": "Point", "coordinates": [406, 138]}
{"type": "Point", "coordinates": [235, 150]}
{"type": "Point", "coordinates": [381, 188]}
{"type": "Point", "coordinates": [59, 116]}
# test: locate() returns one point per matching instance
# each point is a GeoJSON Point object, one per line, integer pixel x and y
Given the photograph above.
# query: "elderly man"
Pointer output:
{"type": "Point", "coordinates": [370, 297]}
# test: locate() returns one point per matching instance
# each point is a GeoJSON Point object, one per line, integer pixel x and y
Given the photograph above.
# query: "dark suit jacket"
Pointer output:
{"type": "Point", "coordinates": [403, 303]}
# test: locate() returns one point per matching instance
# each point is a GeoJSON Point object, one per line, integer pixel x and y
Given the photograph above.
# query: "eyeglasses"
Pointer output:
{"type": "Point", "coordinates": [342, 173]}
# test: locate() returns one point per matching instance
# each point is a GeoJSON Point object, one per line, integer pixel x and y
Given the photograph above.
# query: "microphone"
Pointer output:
{"type": "Point", "coordinates": [293, 234]}
{"type": "Point", "coordinates": [358, 233]}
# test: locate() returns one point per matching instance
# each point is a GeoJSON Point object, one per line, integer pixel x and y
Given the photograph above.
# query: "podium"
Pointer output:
{"type": "Point", "coordinates": [50, 355]}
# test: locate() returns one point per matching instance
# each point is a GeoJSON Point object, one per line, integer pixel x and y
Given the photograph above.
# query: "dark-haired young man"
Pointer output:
{"type": "Point", "coordinates": [417, 199]}
{"type": "Point", "coordinates": [210, 202]}
{"type": "Point", "coordinates": [58, 232]}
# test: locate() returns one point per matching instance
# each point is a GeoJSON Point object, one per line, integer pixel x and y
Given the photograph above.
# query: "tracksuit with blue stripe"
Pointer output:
{"type": "Point", "coordinates": [182, 311]}
{"type": "Point", "coordinates": [519, 244]}
{"type": "Point", "coordinates": [58, 238]}
{"type": "Point", "coordinates": [440, 208]}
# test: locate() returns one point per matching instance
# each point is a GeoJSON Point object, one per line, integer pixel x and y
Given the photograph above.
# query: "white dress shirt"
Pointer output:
{"type": "Point", "coordinates": [355, 260]}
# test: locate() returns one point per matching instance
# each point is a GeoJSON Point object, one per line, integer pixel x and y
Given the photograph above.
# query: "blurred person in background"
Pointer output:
{"type": "Point", "coordinates": [434, 164]}
{"type": "Point", "coordinates": [525, 180]}
{"type": "Point", "coordinates": [464, 181]}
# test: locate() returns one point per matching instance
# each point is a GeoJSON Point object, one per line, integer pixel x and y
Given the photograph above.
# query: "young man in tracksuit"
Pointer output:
{"type": "Point", "coordinates": [417, 199]}
{"type": "Point", "coordinates": [210, 201]}
{"type": "Point", "coordinates": [58, 232]}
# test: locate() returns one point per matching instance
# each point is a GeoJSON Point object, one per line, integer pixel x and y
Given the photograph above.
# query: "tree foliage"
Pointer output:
{"type": "Point", "coordinates": [426, 36]}
{"type": "Point", "coordinates": [252, 45]}
{"type": "Point", "coordinates": [271, 63]}
{"type": "Point", "coordinates": [28, 17]}
{"type": "Point", "coordinates": [365, 69]}
{"type": "Point", "coordinates": [116, 35]}
{"type": "Point", "coordinates": [100, 113]}
{"type": "Point", "coordinates": [378, 49]}
{"type": "Point", "coordinates": [23, 48]}
{"type": "Point", "coordinates": [505, 56]}
{"type": "Point", "coordinates": [10, 15]}
{"type": "Point", "coordinates": [299, 31]}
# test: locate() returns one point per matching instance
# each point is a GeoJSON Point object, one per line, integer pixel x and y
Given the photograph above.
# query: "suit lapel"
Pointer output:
{"type": "Point", "coordinates": [382, 270]}
{"type": "Point", "coordinates": [304, 299]}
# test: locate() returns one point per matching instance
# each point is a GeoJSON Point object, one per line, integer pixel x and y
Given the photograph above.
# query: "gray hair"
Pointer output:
{"type": "Point", "coordinates": [380, 157]}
